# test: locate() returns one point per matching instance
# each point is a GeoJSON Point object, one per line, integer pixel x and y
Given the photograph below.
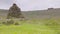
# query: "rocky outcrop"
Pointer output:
{"type": "Point", "coordinates": [15, 12]}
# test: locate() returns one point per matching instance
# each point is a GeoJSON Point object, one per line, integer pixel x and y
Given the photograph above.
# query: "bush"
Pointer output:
{"type": "Point", "coordinates": [0, 24]}
{"type": "Point", "coordinates": [16, 23]}
{"type": "Point", "coordinates": [3, 22]}
{"type": "Point", "coordinates": [52, 22]}
{"type": "Point", "coordinates": [10, 22]}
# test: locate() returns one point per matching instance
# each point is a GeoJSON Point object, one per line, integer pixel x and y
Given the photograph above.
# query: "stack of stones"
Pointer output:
{"type": "Point", "coordinates": [14, 12]}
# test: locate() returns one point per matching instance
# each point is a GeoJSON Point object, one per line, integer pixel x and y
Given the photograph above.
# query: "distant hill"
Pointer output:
{"type": "Point", "coordinates": [3, 12]}
{"type": "Point", "coordinates": [37, 14]}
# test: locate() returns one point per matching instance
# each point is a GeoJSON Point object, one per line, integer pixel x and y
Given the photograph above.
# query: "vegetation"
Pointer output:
{"type": "Point", "coordinates": [36, 23]}
{"type": "Point", "coordinates": [31, 27]}
{"type": "Point", "coordinates": [16, 23]}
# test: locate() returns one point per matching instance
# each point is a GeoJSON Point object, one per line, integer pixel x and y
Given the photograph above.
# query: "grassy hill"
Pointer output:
{"type": "Point", "coordinates": [51, 26]}
{"type": "Point", "coordinates": [38, 14]}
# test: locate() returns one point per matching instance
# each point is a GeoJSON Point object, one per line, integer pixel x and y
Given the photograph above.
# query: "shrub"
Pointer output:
{"type": "Point", "coordinates": [3, 22]}
{"type": "Point", "coordinates": [0, 24]}
{"type": "Point", "coordinates": [16, 23]}
{"type": "Point", "coordinates": [52, 22]}
{"type": "Point", "coordinates": [10, 22]}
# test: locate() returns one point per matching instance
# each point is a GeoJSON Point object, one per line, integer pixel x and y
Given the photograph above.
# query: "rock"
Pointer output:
{"type": "Point", "coordinates": [14, 12]}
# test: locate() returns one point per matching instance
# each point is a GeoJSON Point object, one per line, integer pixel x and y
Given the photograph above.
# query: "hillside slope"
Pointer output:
{"type": "Point", "coordinates": [38, 14]}
{"type": "Point", "coordinates": [42, 14]}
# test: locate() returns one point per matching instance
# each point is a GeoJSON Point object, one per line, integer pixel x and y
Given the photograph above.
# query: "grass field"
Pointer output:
{"type": "Point", "coordinates": [32, 27]}
{"type": "Point", "coordinates": [46, 26]}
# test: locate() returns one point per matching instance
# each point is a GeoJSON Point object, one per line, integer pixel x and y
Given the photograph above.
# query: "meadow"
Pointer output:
{"type": "Point", "coordinates": [46, 26]}
{"type": "Point", "coordinates": [36, 25]}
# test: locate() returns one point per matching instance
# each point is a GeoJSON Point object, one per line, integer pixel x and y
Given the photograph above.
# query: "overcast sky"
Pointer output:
{"type": "Point", "coordinates": [26, 5]}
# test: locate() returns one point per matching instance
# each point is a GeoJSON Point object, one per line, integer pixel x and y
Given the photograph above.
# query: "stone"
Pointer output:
{"type": "Point", "coordinates": [14, 12]}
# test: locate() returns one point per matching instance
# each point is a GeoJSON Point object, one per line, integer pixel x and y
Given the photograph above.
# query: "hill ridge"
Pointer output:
{"type": "Point", "coordinates": [42, 14]}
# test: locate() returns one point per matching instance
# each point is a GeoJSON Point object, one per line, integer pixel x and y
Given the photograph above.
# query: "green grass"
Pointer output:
{"type": "Point", "coordinates": [31, 27]}
{"type": "Point", "coordinates": [26, 29]}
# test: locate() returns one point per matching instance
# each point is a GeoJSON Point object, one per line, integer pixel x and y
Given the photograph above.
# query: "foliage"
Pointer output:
{"type": "Point", "coordinates": [16, 23]}
{"type": "Point", "coordinates": [52, 22]}
{"type": "Point", "coordinates": [3, 22]}
{"type": "Point", "coordinates": [10, 22]}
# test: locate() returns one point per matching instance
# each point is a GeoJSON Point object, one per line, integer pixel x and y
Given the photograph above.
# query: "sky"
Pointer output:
{"type": "Point", "coordinates": [27, 5]}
